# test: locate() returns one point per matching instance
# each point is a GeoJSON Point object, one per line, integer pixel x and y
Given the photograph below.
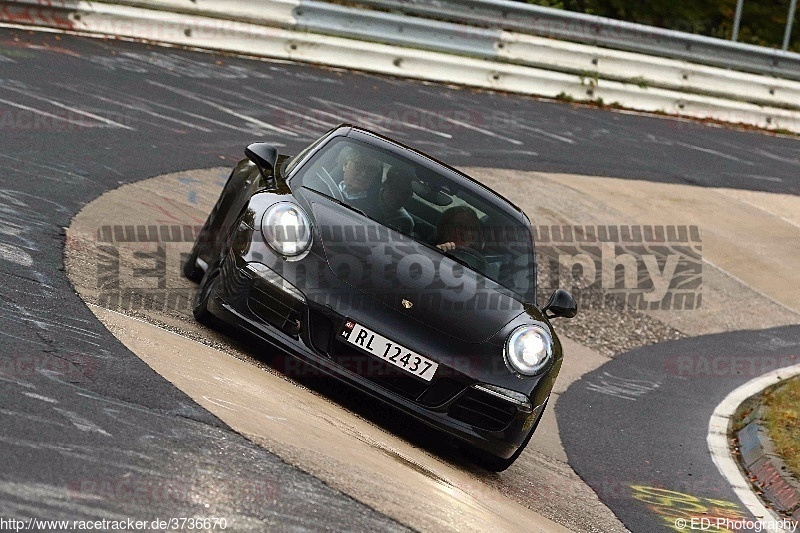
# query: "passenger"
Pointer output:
{"type": "Point", "coordinates": [459, 233]}
{"type": "Point", "coordinates": [393, 196]}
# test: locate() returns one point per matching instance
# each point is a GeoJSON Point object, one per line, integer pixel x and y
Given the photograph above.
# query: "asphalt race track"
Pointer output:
{"type": "Point", "coordinates": [642, 419]}
{"type": "Point", "coordinates": [90, 431]}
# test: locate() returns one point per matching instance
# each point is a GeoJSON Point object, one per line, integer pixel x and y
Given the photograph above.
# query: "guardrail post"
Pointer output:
{"type": "Point", "coordinates": [737, 18]}
{"type": "Point", "coordinates": [789, 20]}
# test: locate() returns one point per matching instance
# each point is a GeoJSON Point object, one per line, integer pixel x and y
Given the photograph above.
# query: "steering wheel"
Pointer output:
{"type": "Point", "coordinates": [471, 257]}
{"type": "Point", "coordinates": [330, 183]}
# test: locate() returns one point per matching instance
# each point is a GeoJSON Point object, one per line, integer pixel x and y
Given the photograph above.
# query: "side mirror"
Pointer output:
{"type": "Point", "coordinates": [264, 156]}
{"type": "Point", "coordinates": [560, 304]}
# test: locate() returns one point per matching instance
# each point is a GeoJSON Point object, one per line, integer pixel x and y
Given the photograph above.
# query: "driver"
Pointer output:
{"type": "Point", "coordinates": [361, 180]}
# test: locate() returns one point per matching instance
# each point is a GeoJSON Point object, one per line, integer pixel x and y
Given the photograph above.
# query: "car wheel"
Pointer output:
{"type": "Point", "coordinates": [204, 294]}
{"type": "Point", "coordinates": [190, 269]}
{"type": "Point", "coordinates": [498, 464]}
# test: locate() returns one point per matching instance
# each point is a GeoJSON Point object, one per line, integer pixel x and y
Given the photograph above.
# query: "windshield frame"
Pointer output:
{"type": "Point", "coordinates": [460, 180]}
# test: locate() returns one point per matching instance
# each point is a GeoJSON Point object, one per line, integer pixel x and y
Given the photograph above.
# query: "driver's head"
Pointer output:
{"type": "Point", "coordinates": [461, 226]}
{"type": "Point", "coordinates": [361, 172]}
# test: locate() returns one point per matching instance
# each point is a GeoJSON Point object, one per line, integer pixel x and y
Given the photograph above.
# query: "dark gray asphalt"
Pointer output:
{"type": "Point", "coordinates": [87, 430]}
{"type": "Point", "coordinates": [641, 420]}
{"type": "Point", "coordinates": [79, 117]}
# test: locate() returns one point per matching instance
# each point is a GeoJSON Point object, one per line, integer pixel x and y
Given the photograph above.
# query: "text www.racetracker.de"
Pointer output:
{"type": "Point", "coordinates": [127, 524]}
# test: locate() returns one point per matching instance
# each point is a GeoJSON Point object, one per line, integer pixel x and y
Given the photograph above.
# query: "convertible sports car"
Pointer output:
{"type": "Point", "coordinates": [393, 272]}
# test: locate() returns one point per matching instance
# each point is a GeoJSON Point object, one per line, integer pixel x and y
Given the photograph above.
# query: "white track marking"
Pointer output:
{"type": "Point", "coordinates": [355, 117]}
{"type": "Point", "coordinates": [775, 157]}
{"type": "Point", "coordinates": [526, 153]}
{"type": "Point", "coordinates": [715, 152]}
{"type": "Point", "coordinates": [15, 254]}
{"type": "Point", "coordinates": [718, 440]}
{"type": "Point", "coordinates": [83, 424]}
{"type": "Point", "coordinates": [336, 119]}
{"type": "Point", "coordinates": [215, 105]}
{"type": "Point", "coordinates": [146, 102]}
{"type": "Point", "coordinates": [380, 118]}
{"type": "Point", "coordinates": [39, 397]}
{"type": "Point", "coordinates": [301, 126]}
{"type": "Point", "coordinates": [21, 339]}
{"type": "Point", "coordinates": [190, 114]}
{"type": "Point", "coordinates": [755, 177]}
{"type": "Point", "coordinates": [75, 110]}
{"type": "Point", "coordinates": [302, 120]}
{"type": "Point", "coordinates": [29, 163]}
{"type": "Point", "coordinates": [466, 125]}
{"type": "Point", "coordinates": [19, 313]}
{"type": "Point", "coordinates": [545, 133]}
{"type": "Point", "coordinates": [44, 113]}
{"type": "Point", "coordinates": [142, 109]}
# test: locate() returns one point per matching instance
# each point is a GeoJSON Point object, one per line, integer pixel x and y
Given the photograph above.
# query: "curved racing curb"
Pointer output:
{"type": "Point", "coordinates": [719, 446]}
{"type": "Point", "coordinates": [765, 469]}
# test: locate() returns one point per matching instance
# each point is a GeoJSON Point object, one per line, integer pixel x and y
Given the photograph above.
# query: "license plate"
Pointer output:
{"type": "Point", "coordinates": [388, 350]}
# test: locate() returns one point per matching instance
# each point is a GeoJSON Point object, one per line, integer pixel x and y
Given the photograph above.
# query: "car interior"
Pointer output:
{"type": "Point", "coordinates": [505, 245]}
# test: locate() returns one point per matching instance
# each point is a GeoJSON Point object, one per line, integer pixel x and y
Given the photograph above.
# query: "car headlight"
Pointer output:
{"type": "Point", "coordinates": [286, 229]}
{"type": "Point", "coordinates": [528, 349]}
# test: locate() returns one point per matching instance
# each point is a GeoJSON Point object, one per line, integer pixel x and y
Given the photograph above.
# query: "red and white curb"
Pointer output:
{"type": "Point", "coordinates": [718, 443]}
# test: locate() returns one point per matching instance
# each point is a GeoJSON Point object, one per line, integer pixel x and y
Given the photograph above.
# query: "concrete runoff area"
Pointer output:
{"type": "Point", "coordinates": [305, 429]}
{"type": "Point", "coordinates": [749, 239]}
{"type": "Point", "coordinates": [741, 229]}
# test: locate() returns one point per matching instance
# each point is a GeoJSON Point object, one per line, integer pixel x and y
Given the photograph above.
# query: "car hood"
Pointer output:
{"type": "Point", "coordinates": [410, 277]}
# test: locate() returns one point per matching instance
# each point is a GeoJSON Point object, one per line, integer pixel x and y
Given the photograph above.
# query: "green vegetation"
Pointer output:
{"type": "Point", "coordinates": [592, 76]}
{"type": "Point", "coordinates": [763, 21]}
{"type": "Point", "coordinates": [782, 420]}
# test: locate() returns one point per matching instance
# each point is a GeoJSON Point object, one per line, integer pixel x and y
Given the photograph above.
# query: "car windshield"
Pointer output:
{"type": "Point", "coordinates": [420, 200]}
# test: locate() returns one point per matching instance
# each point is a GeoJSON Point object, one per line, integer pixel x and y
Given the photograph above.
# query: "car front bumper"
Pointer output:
{"type": "Point", "coordinates": [453, 403]}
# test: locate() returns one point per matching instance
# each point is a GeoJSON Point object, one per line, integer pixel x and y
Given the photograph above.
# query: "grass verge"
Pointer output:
{"type": "Point", "coordinates": [782, 420]}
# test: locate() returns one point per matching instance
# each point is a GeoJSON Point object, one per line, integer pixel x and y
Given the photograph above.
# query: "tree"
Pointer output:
{"type": "Point", "coordinates": [763, 21]}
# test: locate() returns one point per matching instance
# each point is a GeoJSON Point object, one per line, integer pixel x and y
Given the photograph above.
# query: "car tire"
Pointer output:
{"type": "Point", "coordinates": [498, 464]}
{"type": "Point", "coordinates": [191, 271]}
{"type": "Point", "coordinates": [204, 294]}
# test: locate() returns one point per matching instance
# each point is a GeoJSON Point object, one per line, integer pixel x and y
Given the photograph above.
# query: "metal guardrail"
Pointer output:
{"type": "Point", "coordinates": [588, 61]}
{"type": "Point", "coordinates": [401, 45]}
{"type": "Point", "coordinates": [401, 30]}
{"type": "Point", "coordinates": [599, 31]}
{"type": "Point", "coordinates": [474, 28]}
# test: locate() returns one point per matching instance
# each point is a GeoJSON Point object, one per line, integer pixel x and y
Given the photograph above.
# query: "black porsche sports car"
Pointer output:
{"type": "Point", "coordinates": [393, 272]}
